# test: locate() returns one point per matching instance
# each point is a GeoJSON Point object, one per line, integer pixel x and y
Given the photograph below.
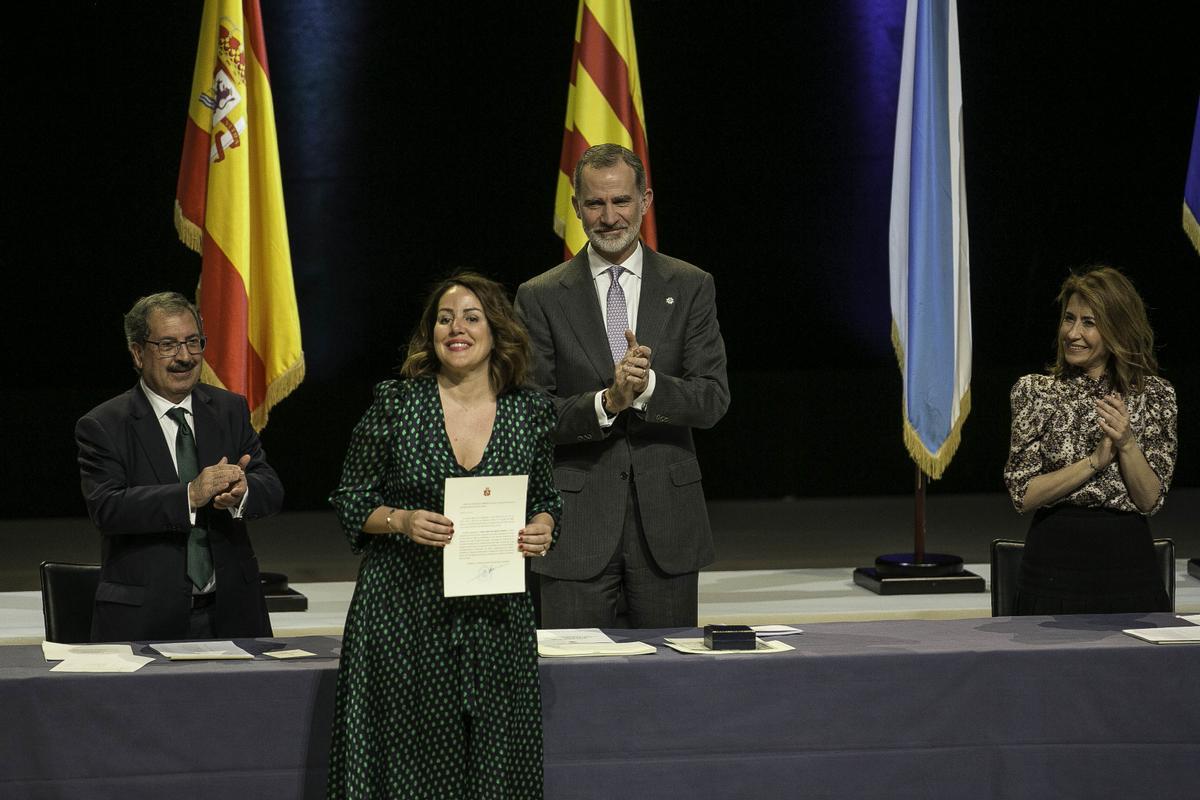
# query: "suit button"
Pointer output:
{"type": "Point", "coordinates": [624, 476]}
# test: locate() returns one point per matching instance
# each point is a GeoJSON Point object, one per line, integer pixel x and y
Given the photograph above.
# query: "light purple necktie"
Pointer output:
{"type": "Point", "coordinates": [618, 315]}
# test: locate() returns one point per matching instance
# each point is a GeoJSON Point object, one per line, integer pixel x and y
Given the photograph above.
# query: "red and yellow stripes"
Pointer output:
{"type": "Point", "coordinates": [229, 208]}
{"type": "Point", "coordinates": [604, 104]}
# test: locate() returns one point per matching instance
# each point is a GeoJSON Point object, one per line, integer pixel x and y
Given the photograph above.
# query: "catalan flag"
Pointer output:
{"type": "Point", "coordinates": [929, 265]}
{"type": "Point", "coordinates": [604, 105]}
{"type": "Point", "coordinates": [229, 208]}
{"type": "Point", "coordinates": [1191, 188]}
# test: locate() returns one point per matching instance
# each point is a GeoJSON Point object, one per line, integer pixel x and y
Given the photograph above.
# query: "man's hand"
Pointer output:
{"type": "Point", "coordinates": [220, 478]}
{"type": "Point", "coordinates": [634, 368]}
{"type": "Point", "coordinates": [232, 496]}
{"type": "Point", "coordinates": [631, 376]}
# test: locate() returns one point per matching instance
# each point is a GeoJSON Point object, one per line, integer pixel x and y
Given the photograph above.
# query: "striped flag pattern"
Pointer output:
{"type": "Point", "coordinates": [1191, 189]}
{"type": "Point", "coordinates": [229, 208]}
{"type": "Point", "coordinates": [929, 265]}
{"type": "Point", "coordinates": [604, 105]}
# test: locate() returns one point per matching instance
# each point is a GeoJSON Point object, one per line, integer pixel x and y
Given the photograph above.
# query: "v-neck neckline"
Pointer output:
{"type": "Point", "coordinates": [449, 445]}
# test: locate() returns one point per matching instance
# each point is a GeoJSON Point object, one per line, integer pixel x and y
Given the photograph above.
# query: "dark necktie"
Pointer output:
{"type": "Point", "coordinates": [199, 558]}
{"type": "Point", "coordinates": [618, 315]}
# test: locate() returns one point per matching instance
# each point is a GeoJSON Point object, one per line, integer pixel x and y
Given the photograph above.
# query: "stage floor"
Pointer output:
{"type": "Point", "coordinates": [750, 597]}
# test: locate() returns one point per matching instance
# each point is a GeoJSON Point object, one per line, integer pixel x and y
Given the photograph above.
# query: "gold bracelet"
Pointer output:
{"type": "Point", "coordinates": [388, 519]}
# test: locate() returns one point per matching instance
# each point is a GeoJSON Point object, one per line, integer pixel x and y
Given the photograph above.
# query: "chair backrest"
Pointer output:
{"type": "Point", "coordinates": [68, 592]}
{"type": "Point", "coordinates": [1006, 562]}
{"type": "Point", "coordinates": [1164, 553]}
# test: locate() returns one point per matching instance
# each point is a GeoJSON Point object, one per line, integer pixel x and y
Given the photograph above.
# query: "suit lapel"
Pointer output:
{"type": "Point", "coordinates": [582, 312]}
{"type": "Point", "coordinates": [207, 430]}
{"type": "Point", "coordinates": [656, 303]}
{"type": "Point", "coordinates": [149, 433]}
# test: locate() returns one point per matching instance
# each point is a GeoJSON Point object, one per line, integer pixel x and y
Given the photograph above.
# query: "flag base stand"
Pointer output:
{"type": "Point", "coordinates": [908, 573]}
{"type": "Point", "coordinates": [918, 572]}
{"type": "Point", "coordinates": [1194, 567]}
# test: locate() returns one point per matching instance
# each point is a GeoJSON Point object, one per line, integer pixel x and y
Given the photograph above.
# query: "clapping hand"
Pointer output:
{"type": "Point", "coordinates": [219, 479]}
{"type": "Point", "coordinates": [631, 375]}
{"type": "Point", "coordinates": [232, 496]}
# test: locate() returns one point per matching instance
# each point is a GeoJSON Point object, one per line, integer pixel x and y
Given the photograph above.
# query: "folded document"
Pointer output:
{"type": "Point", "coordinates": [1187, 634]}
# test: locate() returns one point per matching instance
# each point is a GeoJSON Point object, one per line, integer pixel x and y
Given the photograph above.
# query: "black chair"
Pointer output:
{"type": "Point", "coordinates": [68, 592]}
{"type": "Point", "coordinates": [1006, 561]}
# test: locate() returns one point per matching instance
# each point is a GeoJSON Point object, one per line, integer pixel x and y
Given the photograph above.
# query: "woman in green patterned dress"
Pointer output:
{"type": "Point", "coordinates": [438, 696]}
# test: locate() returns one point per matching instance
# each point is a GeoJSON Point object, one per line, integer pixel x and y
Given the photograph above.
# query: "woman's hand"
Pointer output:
{"type": "Point", "coordinates": [428, 528]}
{"type": "Point", "coordinates": [1103, 455]}
{"type": "Point", "coordinates": [1113, 418]}
{"type": "Point", "coordinates": [534, 539]}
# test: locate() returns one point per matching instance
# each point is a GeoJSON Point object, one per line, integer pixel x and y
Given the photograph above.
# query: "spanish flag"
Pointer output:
{"type": "Point", "coordinates": [604, 105]}
{"type": "Point", "coordinates": [229, 208]}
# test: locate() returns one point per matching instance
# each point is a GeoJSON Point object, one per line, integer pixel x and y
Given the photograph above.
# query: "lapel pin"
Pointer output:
{"type": "Point", "coordinates": [670, 301]}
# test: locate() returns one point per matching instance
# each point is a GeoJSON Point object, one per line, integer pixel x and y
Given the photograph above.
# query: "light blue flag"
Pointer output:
{"type": "Point", "coordinates": [930, 275]}
{"type": "Point", "coordinates": [1191, 188]}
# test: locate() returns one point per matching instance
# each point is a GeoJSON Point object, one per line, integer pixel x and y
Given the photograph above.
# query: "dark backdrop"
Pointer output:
{"type": "Point", "coordinates": [420, 137]}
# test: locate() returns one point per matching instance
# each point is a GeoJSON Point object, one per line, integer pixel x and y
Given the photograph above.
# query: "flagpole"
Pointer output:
{"type": "Point", "coordinates": [919, 518]}
{"type": "Point", "coordinates": [929, 278]}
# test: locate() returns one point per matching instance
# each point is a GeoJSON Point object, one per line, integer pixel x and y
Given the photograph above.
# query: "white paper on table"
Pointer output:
{"type": "Point", "coordinates": [101, 662]}
{"type": "Point", "coordinates": [56, 651]}
{"type": "Point", "coordinates": [288, 653]}
{"type": "Point", "coordinates": [580, 642]}
{"type": "Point", "coordinates": [1186, 634]}
{"type": "Point", "coordinates": [1192, 618]}
{"type": "Point", "coordinates": [595, 649]}
{"type": "Point", "coordinates": [487, 513]}
{"type": "Point", "coordinates": [775, 630]}
{"type": "Point", "coordinates": [696, 647]}
{"type": "Point", "coordinates": [195, 651]}
{"type": "Point", "coordinates": [562, 636]}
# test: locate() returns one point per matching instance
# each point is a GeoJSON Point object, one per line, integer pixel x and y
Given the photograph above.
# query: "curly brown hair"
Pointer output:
{"type": "Point", "coordinates": [511, 354]}
{"type": "Point", "coordinates": [1121, 321]}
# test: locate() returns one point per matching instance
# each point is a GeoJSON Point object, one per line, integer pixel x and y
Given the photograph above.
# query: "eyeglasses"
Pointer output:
{"type": "Point", "coordinates": [169, 347]}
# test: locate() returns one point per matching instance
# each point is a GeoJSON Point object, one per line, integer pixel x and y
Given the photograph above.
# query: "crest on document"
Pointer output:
{"type": "Point", "coordinates": [224, 97]}
{"type": "Point", "coordinates": [487, 491]}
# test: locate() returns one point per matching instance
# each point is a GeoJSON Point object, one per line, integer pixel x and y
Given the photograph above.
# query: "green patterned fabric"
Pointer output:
{"type": "Point", "coordinates": [436, 697]}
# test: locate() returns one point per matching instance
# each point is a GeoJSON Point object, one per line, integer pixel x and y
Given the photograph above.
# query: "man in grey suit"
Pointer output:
{"type": "Point", "coordinates": [626, 342]}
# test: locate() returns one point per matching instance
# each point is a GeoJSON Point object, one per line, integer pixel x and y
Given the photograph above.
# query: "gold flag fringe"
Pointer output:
{"type": "Point", "coordinates": [1191, 227]}
{"type": "Point", "coordinates": [896, 346]}
{"type": "Point", "coordinates": [932, 464]}
{"type": "Point", "coordinates": [189, 233]}
{"type": "Point", "coordinates": [278, 389]}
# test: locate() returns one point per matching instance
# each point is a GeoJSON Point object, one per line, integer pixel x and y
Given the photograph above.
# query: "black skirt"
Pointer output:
{"type": "Point", "coordinates": [1089, 561]}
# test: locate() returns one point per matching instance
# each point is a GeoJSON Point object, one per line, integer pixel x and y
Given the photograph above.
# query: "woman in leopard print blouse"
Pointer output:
{"type": "Point", "coordinates": [1092, 450]}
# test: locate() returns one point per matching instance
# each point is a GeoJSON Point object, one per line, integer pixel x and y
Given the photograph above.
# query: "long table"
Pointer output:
{"type": "Point", "coordinates": [1008, 707]}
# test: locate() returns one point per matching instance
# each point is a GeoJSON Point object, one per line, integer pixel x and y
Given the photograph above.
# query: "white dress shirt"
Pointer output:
{"type": "Point", "coordinates": [170, 430]}
{"type": "Point", "coordinates": [631, 285]}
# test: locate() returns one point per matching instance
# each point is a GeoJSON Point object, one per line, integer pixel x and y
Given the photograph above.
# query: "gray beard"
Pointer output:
{"type": "Point", "coordinates": [613, 246]}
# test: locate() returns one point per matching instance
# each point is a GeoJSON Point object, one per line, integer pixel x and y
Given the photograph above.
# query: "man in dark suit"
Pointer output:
{"type": "Point", "coordinates": [171, 470]}
{"type": "Point", "coordinates": [627, 343]}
